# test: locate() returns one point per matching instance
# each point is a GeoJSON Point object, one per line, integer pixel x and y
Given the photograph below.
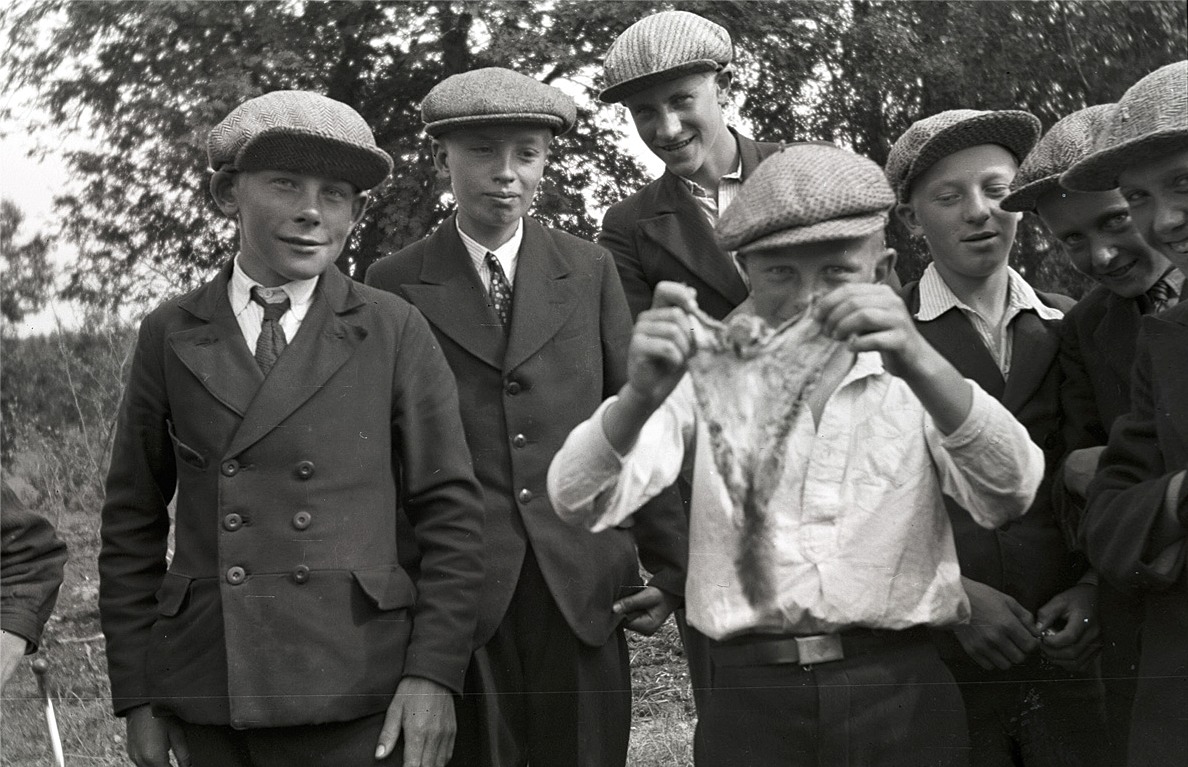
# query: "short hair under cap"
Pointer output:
{"type": "Point", "coordinates": [661, 47]}
{"type": "Point", "coordinates": [1069, 140]}
{"type": "Point", "coordinates": [300, 132]}
{"type": "Point", "coordinates": [1149, 121]}
{"type": "Point", "coordinates": [942, 134]}
{"type": "Point", "coordinates": [495, 96]}
{"type": "Point", "coordinates": [806, 193]}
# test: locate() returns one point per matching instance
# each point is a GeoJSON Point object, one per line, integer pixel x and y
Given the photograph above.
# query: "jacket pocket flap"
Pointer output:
{"type": "Point", "coordinates": [185, 452]}
{"type": "Point", "coordinates": [172, 594]}
{"type": "Point", "coordinates": [389, 587]}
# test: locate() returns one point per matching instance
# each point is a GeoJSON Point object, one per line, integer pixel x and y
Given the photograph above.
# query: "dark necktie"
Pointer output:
{"type": "Point", "coordinates": [272, 341]}
{"type": "Point", "coordinates": [1160, 294]}
{"type": "Point", "coordinates": [501, 292]}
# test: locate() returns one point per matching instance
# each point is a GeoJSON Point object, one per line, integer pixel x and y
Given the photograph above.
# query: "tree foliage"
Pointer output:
{"type": "Point", "coordinates": [27, 279]}
{"type": "Point", "coordinates": [152, 78]}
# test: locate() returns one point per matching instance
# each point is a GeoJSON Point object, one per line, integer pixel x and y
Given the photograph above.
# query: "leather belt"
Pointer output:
{"type": "Point", "coordinates": [760, 650]}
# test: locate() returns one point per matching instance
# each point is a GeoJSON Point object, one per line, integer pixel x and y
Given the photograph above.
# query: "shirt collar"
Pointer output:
{"type": "Point", "coordinates": [936, 297]}
{"type": "Point", "coordinates": [1175, 278]}
{"type": "Point", "coordinates": [300, 292]}
{"type": "Point", "coordinates": [505, 252]}
{"type": "Point", "coordinates": [735, 175]}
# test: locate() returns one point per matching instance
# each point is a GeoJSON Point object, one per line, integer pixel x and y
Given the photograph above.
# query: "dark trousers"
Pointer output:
{"type": "Point", "coordinates": [341, 744]}
{"type": "Point", "coordinates": [535, 694]}
{"type": "Point", "coordinates": [696, 646]}
{"type": "Point", "coordinates": [893, 705]}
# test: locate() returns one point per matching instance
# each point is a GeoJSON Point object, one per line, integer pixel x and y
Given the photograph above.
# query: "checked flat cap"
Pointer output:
{"type": "Point", "coordinates": [944, 133]}
{"type": "Point", "coordinates": [495, 96]}
{"type": "Point", "coordinates": [806, 193]}
{"type": "Point", "coordinates": [660, 47]}
{"type": "Point", "coordinates": [302, 132]}
{"type": "Point", "coordinates": [1150, 121]}
{"type": "Point", "coordinates": [1069, 140]}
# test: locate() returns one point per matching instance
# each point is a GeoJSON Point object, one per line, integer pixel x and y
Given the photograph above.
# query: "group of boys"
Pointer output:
{"type": "Point", "coordinates": [410, 515]}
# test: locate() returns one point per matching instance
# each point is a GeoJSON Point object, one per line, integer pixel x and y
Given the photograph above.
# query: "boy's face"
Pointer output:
{"type": "Point", "coordinates": [681, 120]}
{"type": "Point", "coordinates": [494, 171]}
{"type": "Point", "coordinates": [1096, 232]}
{"type": "Point", "coordinates": [785, 278]}
{"type": "Point", "coordinates": [955, 206]}
{"type": "Point", "coordinates": [1157, 193]}
{"type": "Point", "coordinates": [291, 226]}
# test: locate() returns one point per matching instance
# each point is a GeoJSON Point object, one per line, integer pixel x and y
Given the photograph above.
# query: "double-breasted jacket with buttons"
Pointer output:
{"type": "Point", "coordinates": [283, 601]}
{"type": "Point", "coordinates": [521, 391]}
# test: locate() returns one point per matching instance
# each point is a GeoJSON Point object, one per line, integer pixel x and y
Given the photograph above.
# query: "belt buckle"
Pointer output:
{"type": "Point", "coordinates": [821, 648]}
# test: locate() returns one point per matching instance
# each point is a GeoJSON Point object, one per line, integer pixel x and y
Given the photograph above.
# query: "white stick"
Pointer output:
{"type": "Point", "coordinates": [41, 668]}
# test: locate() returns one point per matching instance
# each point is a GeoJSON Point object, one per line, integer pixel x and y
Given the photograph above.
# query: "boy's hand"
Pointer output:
{"type": "Point", "coordinates": [660, 344]}
{"type": "Point", "coordinates": [1068, 628]}
{"type": "Point", "coordinates": [151, 738]}
{"type": "Point", "coordinates": [423, 712]}
{"type": "Point", "coordinates": [647, 609]}
{"type": "Point", "coordinates": [872, 317]}
{"type": "Point", "coordinates": [1080, 467]}
{"type": "Point", "coordinates": [999, 633]}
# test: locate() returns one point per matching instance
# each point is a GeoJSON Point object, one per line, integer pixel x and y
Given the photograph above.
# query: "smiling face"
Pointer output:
{"type": "Point", "coordinates": [1157, 193]}
{"type": "Point", "coordinates": [955, 205]}
{"type": "Point", "coordinates": [1097, 234]}
{"type": "Point", "coordinates": [494, 171]}
{"type": "Point", "coordinates": [681, 122]}
{"type": "Point", "coordinates": [291, 226]}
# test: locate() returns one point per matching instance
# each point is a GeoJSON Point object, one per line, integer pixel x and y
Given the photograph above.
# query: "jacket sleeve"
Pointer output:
{"type": "Point", "coordinates": [1082, 421]}
{"type": "Point", "coordinates": [443, 501]}
{"type": "Point", "coordinates": [31, 564]}
{"type": "Point", "coordinates": [618, 236]}
{"type": "Point", "coordinates": [135, 521]}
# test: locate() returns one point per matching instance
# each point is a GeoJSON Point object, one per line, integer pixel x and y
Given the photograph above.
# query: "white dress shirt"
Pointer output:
{"type": "Point", "coordinates": [250, 315]}
{"type": "Point", "coordinates": [507, 255]}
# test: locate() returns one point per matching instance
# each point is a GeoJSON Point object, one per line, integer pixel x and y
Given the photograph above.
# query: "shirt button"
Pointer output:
{"type": "Point", "coordinates": [305, 470]}
{"type": "Point", "coordinates": [525, 495]}
{"type": "Point", "coordinates": [302, 519]}
{"type": "Point", "coordinates": [232, 522]}
{"type": "Point", "coordinates": [513, 388]}
{"type": "Point", "coordinates": [519, 440]}
{"type": "Point", "coordinates": [301, 574]}
{"type": "Point", "coordinates": [236, 575]}
{"type": "Point", "coordinates": [230, 468]}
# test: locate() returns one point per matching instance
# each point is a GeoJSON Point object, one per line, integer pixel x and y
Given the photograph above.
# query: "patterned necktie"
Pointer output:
{"type": "Point", "coordinates": [272, 341]}
{"type": "Point", "coordinates": [1160, 294]}
{"type": "Point", "coordinates": [501, 292]}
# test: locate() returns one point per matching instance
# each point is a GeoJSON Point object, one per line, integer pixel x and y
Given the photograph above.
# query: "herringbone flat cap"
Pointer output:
{"type": "Point", "coordinates": [660, 47]}
{"type": "Point", "coordinates": [1149, 122]}
{"type": "Point", "coordinates": [495, 96]}
{"type": "Point", "coordinates": [1069, 140]}
{"type": "Point", "coordinates": [944, 133]}
{"type": "Point", "coordinates": [302, 132]}
{"type": "Point", "coordinates": [806, 193]}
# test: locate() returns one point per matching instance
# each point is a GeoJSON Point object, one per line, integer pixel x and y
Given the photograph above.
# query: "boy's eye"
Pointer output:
{"type": "Point", "coordinates": [1117, 222]}
{"type": "Point", "coordinates": [1074, 241]}
{"type": "Point", "coordinates": [284, 182]}
{"type": "Point", "coordinates": [1180, 183]}
{"type": "Point", "coordinates": [947, 198]}
{"type": "Point", "coordinates": [1134, 196]}
{"type": "Point", "coordinates": [998, 190]}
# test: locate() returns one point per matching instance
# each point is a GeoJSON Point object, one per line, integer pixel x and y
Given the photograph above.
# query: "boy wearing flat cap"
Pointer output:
{"type": "Point", "coordinates": [1095, 232]}
{"type": "Point", "coordinates": [835, 664]}
{"type": "Point", "coordinates": [293, 411]}
{"type": "Point", "coordinates": [1030, 611]}
{"type": "Point", "coordinates": [535, 327]}
{"type": "Point", "coordinates": [1136, 523]}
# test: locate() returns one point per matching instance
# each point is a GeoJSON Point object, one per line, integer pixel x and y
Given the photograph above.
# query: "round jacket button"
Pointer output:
{"type": "Point", "coordinates": [305, 470]}
{"type": "Point", "coordinates": [519, 440]}
{"type": "Point", "coordinates": [302, 519]}
{"type": "Point", "coordinates": [525, 495]}
{"type": "Point", "coordinates": [232, 522]}
{"type": "Point", "coordinates": [513, 387]}
{"type": "Point", "coordinates": [236, 575]}
{"type": "Point", "coordinates": [301, 574]}
{"type": "Point", "coordinates": [230, 468]}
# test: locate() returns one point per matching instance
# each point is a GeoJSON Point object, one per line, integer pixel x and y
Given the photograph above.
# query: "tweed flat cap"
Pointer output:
{"type": "Point", "coordinates": [806, 193]}
{"type": "Point", "coordinates": [302, 132]}
{"type": "Point", "coordinates": [1069, 140]}
{"type": "Point", "coordinates": [660, 47]}
{"type": "Point", "coordinates": [1150, 121]}
{"type": "Point", "coordinates": [944, 133]}
{"type": "Point", "coordinates": [495, 96]}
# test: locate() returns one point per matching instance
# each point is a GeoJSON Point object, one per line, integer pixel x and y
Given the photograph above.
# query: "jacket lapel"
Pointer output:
{"type": "Point", "coordinates": [452, 297]}
{"type": "Point", "coordinates": [321, 346]}
{"type": "Point", "coordinates": [1033, 351]}
{"type": "Point", "coordinates": [1114, 335]}
{"type": "Point", "coordinates": [1168, 334]}
{"type": "Point", "coordinates": [958, 342]}
{"type": "Point", "coordinates": [541, 299]}
{"type": "Point", "coordinates": [215, 352]}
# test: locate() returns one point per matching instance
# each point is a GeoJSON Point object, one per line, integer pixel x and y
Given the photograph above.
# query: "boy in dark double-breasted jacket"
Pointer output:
{"type": "Point", "coordinates": [293, 411]}
{"type": "Point", "coordinates": [535, 326]}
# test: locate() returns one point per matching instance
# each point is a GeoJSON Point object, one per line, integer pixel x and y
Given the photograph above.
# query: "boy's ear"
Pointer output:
{"type": "Point", "coordinates": [907, 214]}
{"type": "Point", "coordinates": [440, 156]}
{"type": "Point", "coordinates": [885, 264]}
{"type": "Point", "coordinates": [222, 189]}
{"type": "Point", "coordinates": [359, 206]}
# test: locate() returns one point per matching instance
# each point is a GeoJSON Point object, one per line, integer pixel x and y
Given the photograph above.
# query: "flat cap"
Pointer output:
{"type": "Point", "coordinates": [1069, 140]}
{"type": "Point", "coordinates": [495, 96]}
{"type": "Point", "coordinates": [944, 133]}
{"type": "Point", "coordinates": [660, 47]}
{"type": "Point", "coordinates": [1150, 121]}
{"type": "Point", "coordinates": [302, 132]}
{"type": "Point", "coordinates": [806, 193]}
